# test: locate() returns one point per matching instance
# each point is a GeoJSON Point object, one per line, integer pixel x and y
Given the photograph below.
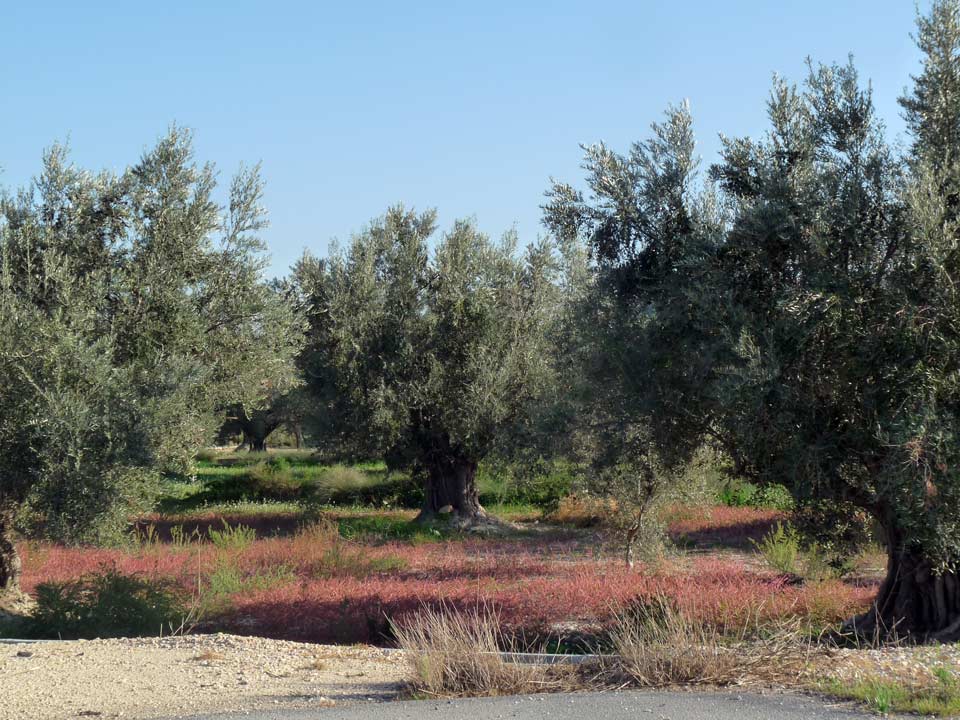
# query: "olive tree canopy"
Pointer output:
{"type": "Point", "coordinates": [804, 315]}
{"type": "Point", "coordinates": [428, 356]}
{"type": "Point", "coordinates": [132, 306]}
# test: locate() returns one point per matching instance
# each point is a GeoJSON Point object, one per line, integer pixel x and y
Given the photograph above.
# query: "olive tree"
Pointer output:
{"type": "Point", "coordinates": [428, 355]}
{"type": "Point", "coordinates": [803, 315]}
{"type": "Point", "coordinates": [131, 307]}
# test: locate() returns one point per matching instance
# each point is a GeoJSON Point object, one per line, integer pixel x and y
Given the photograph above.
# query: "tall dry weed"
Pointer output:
{"type": "Point", "coordinates": [659, 645]}
{"type": "Point", "coordinates": [457, 653]}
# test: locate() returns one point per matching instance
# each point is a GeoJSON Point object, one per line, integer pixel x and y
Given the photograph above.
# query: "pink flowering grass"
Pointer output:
{"type": "Point", "coordinates": [314, 586]}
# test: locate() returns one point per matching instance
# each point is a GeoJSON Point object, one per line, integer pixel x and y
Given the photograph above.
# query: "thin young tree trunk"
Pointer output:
{"type": "Point", "coordinates": [631, 539]}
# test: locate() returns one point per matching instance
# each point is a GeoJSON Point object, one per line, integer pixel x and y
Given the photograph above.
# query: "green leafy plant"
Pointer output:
{"type": "Point", "coordinates": [273, 480]}
{"type": "Point", "coordinates": [107, 604]}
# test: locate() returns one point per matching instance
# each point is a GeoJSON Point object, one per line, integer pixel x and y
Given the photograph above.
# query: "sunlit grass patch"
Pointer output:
{"type": "Point", "coordinates": [940, 698]}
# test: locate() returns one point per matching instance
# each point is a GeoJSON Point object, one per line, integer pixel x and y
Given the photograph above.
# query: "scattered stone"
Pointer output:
{"type": "Point", "coordinates": [160, 677]}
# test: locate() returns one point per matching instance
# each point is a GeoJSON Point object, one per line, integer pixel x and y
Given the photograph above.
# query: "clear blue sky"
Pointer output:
{"type": "Point", "coordinates": [466, 107]}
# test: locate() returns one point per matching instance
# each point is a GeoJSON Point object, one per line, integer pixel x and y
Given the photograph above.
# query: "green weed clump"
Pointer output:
{"type": "Point", "coordinates": [228, 580]}
{"type": "Point", "coordinates": [368, 485]}
{"type": "Point", "coordinates": [232, 537]}
{"type": "Point", "coordinates": [273, 480]}
{"type": "Point", "coordinates": [106, 604]}
{"type": "Point", "coordinates": [341, 560]}
{"type": "Point", "coordinates": [780, 548]}
{"type": "Point", "coordinates": [384, 528]}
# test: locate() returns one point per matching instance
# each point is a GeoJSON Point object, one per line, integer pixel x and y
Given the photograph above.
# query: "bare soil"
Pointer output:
{"type": "Point", "coordinates": [182, 676]}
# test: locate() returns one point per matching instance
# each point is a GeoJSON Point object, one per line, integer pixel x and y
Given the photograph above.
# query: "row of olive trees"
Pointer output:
{"type": "Point", "coordinates": [132, 307]}
{"type": "Point", "coordinates": [796, 313]}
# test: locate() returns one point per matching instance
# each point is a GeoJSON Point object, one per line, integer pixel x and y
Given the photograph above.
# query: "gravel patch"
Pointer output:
{"type": "Point", "coordinates": [182, 676]}
{"type": "Point", "coordinates": [909, 664]}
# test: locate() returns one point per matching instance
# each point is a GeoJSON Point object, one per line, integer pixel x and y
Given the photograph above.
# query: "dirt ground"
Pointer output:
{"type": "Point", "coordinates": [182, 676]}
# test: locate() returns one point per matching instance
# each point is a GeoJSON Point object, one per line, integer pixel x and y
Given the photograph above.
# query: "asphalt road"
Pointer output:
{"type": "Point", "coordinates": [630, 705]}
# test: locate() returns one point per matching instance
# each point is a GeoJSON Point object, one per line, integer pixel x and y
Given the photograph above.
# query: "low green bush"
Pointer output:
{"type": "Point", "coordinates": [273, 479]}
{"type": "Point", "coordinates": [745, 494]}
{"type": "Point", "coordinates": [781, 548]}
{"type": "Point", "coordinates": [228, 580]}
{"type": "Point", "coordinates": [106, 604]}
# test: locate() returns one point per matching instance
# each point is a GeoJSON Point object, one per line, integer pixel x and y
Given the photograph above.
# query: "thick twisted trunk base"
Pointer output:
{"type": "Point", "coordinates": [914, 603]}
{"type": "Point", "coordinates": [451, 490]}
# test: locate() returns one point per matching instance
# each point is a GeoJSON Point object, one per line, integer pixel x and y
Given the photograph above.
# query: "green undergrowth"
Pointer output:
{"type": "Point", "coordinates": [939, 698]}
{"type": "Point", "coordinates": [298, 476]}
{"type": "Point", "coordinates": [105, 604]}
{"type": "Point", "coordinates": [226, 581]}
{"type": "Point", "coordinates": [386, 527]}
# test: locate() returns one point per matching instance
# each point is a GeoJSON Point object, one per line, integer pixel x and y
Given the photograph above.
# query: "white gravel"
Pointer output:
{"type": "Point", "coordinates": [170, 677]}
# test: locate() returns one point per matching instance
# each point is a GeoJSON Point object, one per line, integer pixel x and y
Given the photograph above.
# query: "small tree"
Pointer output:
{"type": "Point", "coordinates": [131, 307]}
{"type": "Point", "coordinates": [427, 356]}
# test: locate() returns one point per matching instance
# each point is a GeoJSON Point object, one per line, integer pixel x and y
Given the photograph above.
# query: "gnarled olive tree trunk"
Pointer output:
{"type": "Point", "coordinates": [450, 483]}
{"type": "Point", "coordinates": [256, 429]}
{"type": "Point", "coordinates": [916, 600]}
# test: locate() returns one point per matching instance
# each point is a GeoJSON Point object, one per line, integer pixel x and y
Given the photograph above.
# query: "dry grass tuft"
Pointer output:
{"type": "Point", "coordinates": [583, 511]}
{"type": "Point", "coordinates": [659, 645]}
{"type": "Point", "coordinates": [456, 654]}
{"type": "Point", "coordinates": [316, 663]}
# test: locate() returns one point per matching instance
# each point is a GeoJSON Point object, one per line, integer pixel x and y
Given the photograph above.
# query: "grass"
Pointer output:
{"type": "Point", "coordinates": [334, 571]}
{"type": "Point", "coordinates": [335, 558]}
{"type": "Point", "coordinates": [384, 527]}
{"type": "Point", "coordinates": [457, 654]}
{"type": "Point", "coordinates": [659, 644]}
{"type": "Point", "coordinates": [940, 698]}
{"type": "Point", "coordinates": [282, 475]}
